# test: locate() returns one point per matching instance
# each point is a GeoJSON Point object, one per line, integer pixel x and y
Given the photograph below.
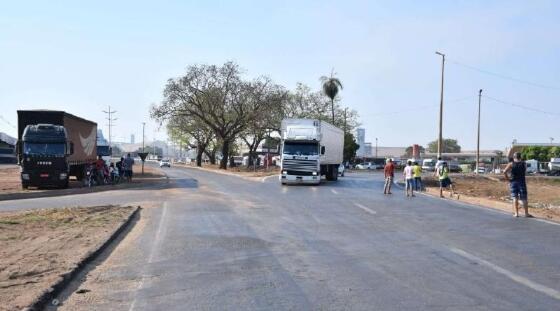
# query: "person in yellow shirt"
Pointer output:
{"type": "Point", "coordinates": [417, 173]}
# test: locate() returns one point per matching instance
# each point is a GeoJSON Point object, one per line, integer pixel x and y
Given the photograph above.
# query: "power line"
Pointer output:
{"type": "Point", "coordinates": [505, 77]}
{"type": "Point", "coordinates": [522, 107]}
{"type": "Point", "coordinates": [111, 121]}
{"type": "Point", "coordinates": [7, 122]}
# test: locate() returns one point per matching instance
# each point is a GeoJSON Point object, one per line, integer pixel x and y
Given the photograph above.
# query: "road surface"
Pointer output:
{"type": "Point", "coordinates": [217, 242]}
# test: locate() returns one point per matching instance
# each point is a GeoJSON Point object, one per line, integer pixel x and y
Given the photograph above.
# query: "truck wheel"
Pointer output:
{"type": "Point", "coordinates": [65, 184]}
{"type": "Point", "coordinates": [334, 171]}
{"type": "Point", "coordinates": [24, 187]}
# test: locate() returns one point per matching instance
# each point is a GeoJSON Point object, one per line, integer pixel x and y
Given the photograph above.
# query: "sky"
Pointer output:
{"type": "Point", "coordinates": [82, 57]}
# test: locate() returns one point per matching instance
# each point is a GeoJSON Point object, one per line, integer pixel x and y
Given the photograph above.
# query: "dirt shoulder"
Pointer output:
{"type": "Point", "coordinates": [39, 246]}
{"type": "Point", "coordinates": [10, 184]}
{"type": "Point", "coordinates": [242, 171]}
{"type": "Point", "coordinates": [492, 191]}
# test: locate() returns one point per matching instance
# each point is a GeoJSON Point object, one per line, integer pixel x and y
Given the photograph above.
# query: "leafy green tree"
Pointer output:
{"type": "Point", "coordinates": [554, 152]}
{"type": "Point", "coordinates": [448, 145]}
{"type": "Point", "coordinates": [331, 87]}
{"type": "Point", "coordinates": [537, 152]}
{"type": "Point", "coordinates": [350, 147]}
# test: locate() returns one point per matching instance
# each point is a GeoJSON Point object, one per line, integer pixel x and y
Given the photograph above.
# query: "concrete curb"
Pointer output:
{"type": "Point", "coordinates": [82, 190]}
{"type": "Point", "coordinates": [65, 279]}
{"type": "Point", "coordinates": [249, 178]}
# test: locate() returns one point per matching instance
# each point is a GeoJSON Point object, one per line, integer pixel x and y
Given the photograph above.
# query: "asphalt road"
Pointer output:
{"type": "Point", "coordinates": [220, 242]}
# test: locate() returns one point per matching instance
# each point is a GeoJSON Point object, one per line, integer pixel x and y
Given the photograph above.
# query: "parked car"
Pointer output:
{"type": "Point", "coordinates": [164, 162]}
{"type": "Point", "coordinates": [341, 169]}
{"type": "Point", "coordinates": [366, 166]}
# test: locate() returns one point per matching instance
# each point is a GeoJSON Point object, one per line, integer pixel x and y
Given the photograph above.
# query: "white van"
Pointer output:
{"type": "Point", "coordinates": [429, 165]}
{"type": "Point", "coordinates": [532, 166]}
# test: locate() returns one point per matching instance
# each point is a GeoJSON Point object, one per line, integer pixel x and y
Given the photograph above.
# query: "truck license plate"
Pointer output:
{"type": "Point", "coordinates": [44, 175]}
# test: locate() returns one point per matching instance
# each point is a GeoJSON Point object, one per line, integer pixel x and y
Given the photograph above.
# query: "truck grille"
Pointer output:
{"type": "Point", "coordinates": [299, 165]}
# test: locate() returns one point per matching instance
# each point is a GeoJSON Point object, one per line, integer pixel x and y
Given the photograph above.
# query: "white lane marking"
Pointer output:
{"type": "Point", "coordinates": [515, 277]}
{"type": "Point", "coordinates": [365, 209]}
{"type": "Point", "coordinates": [334, 191]}
{"type": "Point", "coordinates": [157, 241]}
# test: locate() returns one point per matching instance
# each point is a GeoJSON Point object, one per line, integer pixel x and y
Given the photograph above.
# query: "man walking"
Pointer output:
{"type": "Point", "coordinates": [129, 162]}
{"type": "Point", "coordinates": [515, 174]}
{"type": "Point", "coordinates": [445, 182]}
{"type": "Point", "coordinates": [417, 172]}
{"type": "Point", "coordinates": [409, 178]}
{"type": "Point", "coordinates": [389, 175]}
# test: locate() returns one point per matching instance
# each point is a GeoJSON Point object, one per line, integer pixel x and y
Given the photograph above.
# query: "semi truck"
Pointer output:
{"type": "Point", "coordinates": [52, 146]}
{"type": "Point", "coordinates": [310, 149]}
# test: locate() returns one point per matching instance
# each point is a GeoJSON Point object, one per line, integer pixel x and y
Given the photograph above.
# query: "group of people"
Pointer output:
{"type": "Point", "coordinates": [514, 174]}
{"type": "Point", "coordinates": [114, 172]}
{"type": "Point", "coordinates": [412, 174]}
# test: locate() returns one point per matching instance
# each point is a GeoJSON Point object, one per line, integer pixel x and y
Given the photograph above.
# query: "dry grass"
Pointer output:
{"type": "Point", "coordinates": [38, 246]}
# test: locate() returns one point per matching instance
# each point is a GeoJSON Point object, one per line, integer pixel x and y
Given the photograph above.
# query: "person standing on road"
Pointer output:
{"type": "Point", "coordinates": [389, 176]}
{"type": "Point", "coordinates": [409, 178]}
{"type": "Point", "coordinates": [417, 172]}
{"type": "Point", "coordinates": [515, 174]}
{"type": "Point", "coordinates": [442, 173]}
{"type": "Point", "coordinates": [129, 162]}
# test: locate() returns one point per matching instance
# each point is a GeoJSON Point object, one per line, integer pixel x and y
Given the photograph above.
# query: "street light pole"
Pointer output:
{"type": "Point", "coordinates": [376, 147]}
{"type": "Point", "coordinates": [478, 133]}
{"type": "Point", "coordinates": [440, 136]}
{"type": "Point", "coordinates": [143, 136]}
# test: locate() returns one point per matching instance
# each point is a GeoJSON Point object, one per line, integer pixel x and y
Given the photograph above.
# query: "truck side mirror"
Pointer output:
{"type": "Point", "coordinates": [322, 149]}
{"type": "Point", "coordinates": [71, 149]}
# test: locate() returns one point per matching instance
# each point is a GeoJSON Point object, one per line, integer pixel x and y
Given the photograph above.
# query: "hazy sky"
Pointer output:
{"type": "Point", "coordinates": [82, 57]}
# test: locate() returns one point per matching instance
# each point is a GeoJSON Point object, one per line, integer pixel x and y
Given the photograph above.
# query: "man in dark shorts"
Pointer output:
{"type": "Point", "coordinates": [442, 172]}
{"type": "Point", "coordinates": [515, 174]}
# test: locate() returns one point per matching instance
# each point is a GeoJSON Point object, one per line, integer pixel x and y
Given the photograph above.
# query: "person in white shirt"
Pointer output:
{"type": "Point", "coordinates": [408, 174]}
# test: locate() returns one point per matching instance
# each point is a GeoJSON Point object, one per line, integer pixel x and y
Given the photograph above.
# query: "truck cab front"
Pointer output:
{"type": "Point", "coordinates": [43, 156]}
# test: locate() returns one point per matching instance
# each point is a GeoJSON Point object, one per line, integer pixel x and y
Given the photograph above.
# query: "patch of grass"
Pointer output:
{"type": "Point", "coordinates": [9, 222]}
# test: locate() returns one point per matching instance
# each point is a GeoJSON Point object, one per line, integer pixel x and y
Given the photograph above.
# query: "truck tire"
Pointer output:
{"type": "Point", "coordinates": [24, 187]}
{"type": "Point", "coordinates": [334, 171]}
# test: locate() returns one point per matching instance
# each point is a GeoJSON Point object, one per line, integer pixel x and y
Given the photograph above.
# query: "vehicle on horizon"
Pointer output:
{"type": "Point", "coordinates": [164, 163]}
{"type": "Point", "coordinates": [366, 166]}
{"type": "Point", "coordinates": [52, 146]}
{"type": "Point", "coordinates": [532, 166]}
{"type": "Point", "coordinates": [429, 165]}
{"type": "Point", "coordinates": [341, 169]}
{"type": "Point", "coordinates": [310, 149]}
{"type": "Point", "coordinates": [554, 167]}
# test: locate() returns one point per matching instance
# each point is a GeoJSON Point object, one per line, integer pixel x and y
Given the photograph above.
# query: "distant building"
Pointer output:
{"type": "Point", "coordinates": [132, 139]}
{"type": "Point", "coordinates": [7, 149]}
{"type": "Point", "coordinates": [367, 150]}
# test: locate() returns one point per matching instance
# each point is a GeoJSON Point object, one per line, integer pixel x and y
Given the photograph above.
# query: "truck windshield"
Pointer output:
{"type": "Point", "coordinates": [306, 149]}
{"type": "Point", "coordinates": [43, 148]}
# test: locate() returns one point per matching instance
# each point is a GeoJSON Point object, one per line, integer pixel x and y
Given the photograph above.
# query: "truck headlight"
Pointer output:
{"type": "Point", "coordinates": [63, 175]}
{"type": "Point", "coordinates": [25, 176]}
{"type": "Point", "coordinates": [284, 172]}
{"type": "Point", "coordinates": [314, 173]}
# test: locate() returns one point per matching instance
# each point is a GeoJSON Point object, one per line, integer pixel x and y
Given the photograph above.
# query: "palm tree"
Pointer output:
{"type": "Point", "coordinates": [331, 86]}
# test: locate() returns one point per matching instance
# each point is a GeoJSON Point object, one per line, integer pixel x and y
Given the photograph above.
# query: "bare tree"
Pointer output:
{"type": "Point", "coordinates": [192, 132]}
{"type": "Point", "coordinates": [218, 97]}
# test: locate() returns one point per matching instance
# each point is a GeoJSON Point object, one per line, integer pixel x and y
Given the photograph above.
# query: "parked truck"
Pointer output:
{"type": "Point", "coordinates": [52, 146]}
{"type": "Point", "coordinates": [310, 149]}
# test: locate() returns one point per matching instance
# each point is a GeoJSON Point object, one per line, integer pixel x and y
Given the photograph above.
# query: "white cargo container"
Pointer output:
{"type": "Point", "coordinates": [310, 149]}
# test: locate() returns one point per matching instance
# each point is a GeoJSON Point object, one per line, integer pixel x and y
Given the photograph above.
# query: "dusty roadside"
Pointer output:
{"type": "Point", "coordinates": [39, 246]}
{"type": "Point", "coordinates": [492, 191]}
{"type": "Point", "coordinates": [10, 186]}
{"type": "Point", "coordinates": [242, 171]}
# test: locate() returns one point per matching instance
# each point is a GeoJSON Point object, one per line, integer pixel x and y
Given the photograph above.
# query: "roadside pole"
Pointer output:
{"type": "Point", "coordinates": [143, 136]}
{"type": "Point", "coordinates": [440, 136]}
{"type": "Point", "coordinates": [478, 134]}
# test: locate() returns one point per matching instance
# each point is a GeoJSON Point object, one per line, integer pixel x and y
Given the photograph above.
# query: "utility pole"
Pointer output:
{"type": "Point", "coordinates": [478, 133]}
{"type": "Point", "coordinates": [440, 136]}
{"type": "Point", "coordinates": [111, 120]}
{"type": "Point", "coordinates": [376, 147]}
{"type": "Point", "coordinates": [143, 136]}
